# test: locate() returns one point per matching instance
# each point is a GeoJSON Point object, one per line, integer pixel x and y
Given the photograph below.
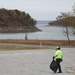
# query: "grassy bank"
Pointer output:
{"type": "Point", "coordinates": [37, 42]}
{"type": "Point", "coordinates": [15, 44]}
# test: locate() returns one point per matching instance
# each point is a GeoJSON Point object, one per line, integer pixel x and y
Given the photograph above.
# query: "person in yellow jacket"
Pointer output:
{"type": "Point", "coordinates": [58, 57]}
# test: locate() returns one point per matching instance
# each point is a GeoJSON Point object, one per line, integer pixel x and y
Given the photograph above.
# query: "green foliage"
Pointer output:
{"type": "Point", "coordinates": [15, 18]}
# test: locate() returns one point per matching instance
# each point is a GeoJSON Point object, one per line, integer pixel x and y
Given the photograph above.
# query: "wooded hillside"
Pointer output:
{"type": "Point", "coordinates": [63, 22]}
{"type": "Point", "coordinates": [57, 23]}
{"type": "Point", "coordinates": [16, 21]}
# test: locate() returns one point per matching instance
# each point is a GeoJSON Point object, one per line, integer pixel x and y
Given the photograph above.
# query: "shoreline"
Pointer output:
{"type": "Point", "coordinates": [18, 29]}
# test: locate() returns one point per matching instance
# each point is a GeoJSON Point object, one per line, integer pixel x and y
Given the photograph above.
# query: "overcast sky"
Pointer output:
{"type": "Point", "coordinates": [39, 9]}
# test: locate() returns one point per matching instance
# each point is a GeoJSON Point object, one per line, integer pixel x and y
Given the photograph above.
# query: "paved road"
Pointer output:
{"type": "Point", "coordinates": [35, 62]}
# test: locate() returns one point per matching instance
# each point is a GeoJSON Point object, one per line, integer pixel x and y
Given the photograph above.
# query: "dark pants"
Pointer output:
{"type": "Point", "coordinates": [58, 63]}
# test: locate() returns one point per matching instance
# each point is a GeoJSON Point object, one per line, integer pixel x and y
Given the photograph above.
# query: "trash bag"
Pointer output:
{"type": "Point", "coordinates": [53, 66]}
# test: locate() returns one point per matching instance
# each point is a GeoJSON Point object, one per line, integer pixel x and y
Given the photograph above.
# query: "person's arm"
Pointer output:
{"type": "Point", "coordinates": [54, 56]}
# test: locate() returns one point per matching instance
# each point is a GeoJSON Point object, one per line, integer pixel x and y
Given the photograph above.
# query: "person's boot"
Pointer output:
{"type": "Point", "coordinates": [59, 72]}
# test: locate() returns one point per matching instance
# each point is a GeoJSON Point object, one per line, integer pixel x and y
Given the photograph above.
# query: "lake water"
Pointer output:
{"type": "Point", "coordinates": [47, 33]}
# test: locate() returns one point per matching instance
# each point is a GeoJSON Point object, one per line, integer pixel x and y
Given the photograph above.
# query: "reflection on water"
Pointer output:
{"type": "Point", "coordinates": [47, 33]}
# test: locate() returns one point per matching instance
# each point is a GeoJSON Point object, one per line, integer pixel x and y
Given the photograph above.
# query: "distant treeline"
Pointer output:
{"type": "Point", "coordinates": [70, 21]}
{"type": "Point", "coordinates": [15, 18]}
{"type": "Point", "coordinates": [57, 23]}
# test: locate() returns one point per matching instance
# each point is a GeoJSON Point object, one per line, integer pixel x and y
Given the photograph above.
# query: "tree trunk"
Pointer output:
{"type": "Point", "coordinates": [67, 33]}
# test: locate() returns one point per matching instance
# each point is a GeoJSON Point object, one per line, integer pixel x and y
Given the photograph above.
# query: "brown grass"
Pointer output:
{"type": "Point", "coordinates": [15, 44]}
{"type": "Point", "coordinates": [37, 42]}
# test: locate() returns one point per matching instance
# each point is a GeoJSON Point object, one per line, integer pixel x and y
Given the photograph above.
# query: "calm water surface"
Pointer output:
{"type": "Point", "coordinates": [47, 33]}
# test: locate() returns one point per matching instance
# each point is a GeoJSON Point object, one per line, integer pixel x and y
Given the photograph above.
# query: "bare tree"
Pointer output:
{"type": "Point", "coordinates": [68, 20]}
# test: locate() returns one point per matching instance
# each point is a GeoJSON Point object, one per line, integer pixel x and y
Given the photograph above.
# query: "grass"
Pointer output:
{"type": "Point", "coordinates": [37, 42]}
{"type": "Point", "coordinates": [19, 44]}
